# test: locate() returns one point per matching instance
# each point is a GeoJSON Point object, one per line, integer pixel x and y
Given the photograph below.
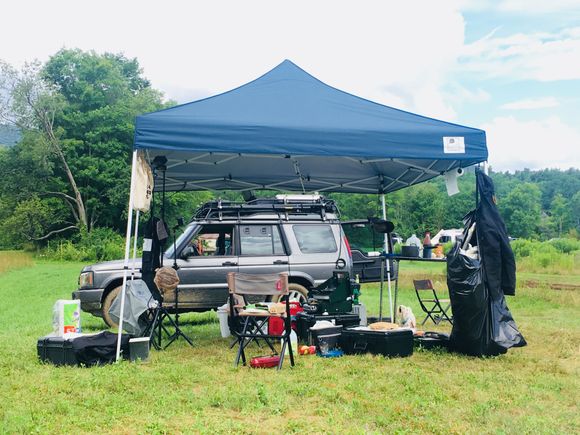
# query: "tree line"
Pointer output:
{"type": "Point", "coordinates": [68, 174]}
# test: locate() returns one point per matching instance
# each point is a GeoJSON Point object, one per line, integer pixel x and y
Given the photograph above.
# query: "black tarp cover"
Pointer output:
{"type": "Point", "coordinates": [482, 322]}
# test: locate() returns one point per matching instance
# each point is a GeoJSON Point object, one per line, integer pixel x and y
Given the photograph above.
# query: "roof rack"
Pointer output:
{"type": "Point", "coordinates": [283, 207]}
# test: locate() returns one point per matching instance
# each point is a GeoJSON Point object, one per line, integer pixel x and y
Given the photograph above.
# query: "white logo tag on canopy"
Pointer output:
{"type": "Point", "coordinates": [454, 145]}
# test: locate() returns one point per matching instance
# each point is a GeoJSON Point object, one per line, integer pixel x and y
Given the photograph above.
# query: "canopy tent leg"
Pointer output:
{"type": "Point", "coordinates": [386, 248]}
{"type": "Point", "coordinates": [133, 267]}
{"type": "Point", "coordinates": [127, 248]}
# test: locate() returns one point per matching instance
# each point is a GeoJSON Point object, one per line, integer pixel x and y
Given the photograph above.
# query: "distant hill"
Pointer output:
{"type": "Point", "coordinates": [9, 135]}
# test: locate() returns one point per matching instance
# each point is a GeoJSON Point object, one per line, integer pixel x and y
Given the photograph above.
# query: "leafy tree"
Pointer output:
{"type": "Point", "coordinates": [560, 211]}
{"type": "Point", "coordinates": [521, 210]}
{"type": "Point", "coordinates": [103, 94]}
{"type": "Point", "coordinates": [77, 114]}
{"type": "Point", "coordinates": [32, 104]}
{"type": "Point", "coordinates": [575, 209]}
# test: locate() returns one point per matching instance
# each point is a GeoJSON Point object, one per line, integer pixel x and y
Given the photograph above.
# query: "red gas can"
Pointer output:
{"type": "Point", "coordinates": [263, 362]}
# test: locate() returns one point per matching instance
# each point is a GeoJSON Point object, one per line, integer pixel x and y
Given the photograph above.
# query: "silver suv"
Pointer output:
{"type": "Point", "coordinates": [298, 234]}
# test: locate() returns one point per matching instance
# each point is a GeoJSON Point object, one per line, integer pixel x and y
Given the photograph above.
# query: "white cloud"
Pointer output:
{"type": "Point", "coordinates": [531, 103]}
{"type": "Point", "coordinates": [192, 48]}
{"type": "Point", "coordinates": [547, 143]}
{"type": "Point", "coordinates": [539, 56]}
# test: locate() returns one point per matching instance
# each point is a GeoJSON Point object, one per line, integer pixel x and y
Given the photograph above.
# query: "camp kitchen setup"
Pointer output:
{"type": "Point", "coordinates": [287, 131]}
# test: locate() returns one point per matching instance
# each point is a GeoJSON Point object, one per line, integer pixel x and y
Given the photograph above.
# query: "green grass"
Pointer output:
{"type": "Point", "coordinates": [184, 390]}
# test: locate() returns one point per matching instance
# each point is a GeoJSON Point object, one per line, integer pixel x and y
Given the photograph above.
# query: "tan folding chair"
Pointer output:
{"type": "Point", "coordinates": [431, 304]}
{"type": "Point", "coordinates": [247, 325]}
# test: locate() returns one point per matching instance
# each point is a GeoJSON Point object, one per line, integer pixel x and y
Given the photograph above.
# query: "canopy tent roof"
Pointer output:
{"type": "Point", "coordinates": [287, 130]}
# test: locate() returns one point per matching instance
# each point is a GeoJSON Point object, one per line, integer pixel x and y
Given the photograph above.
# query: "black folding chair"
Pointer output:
{"type": "Point", "coordinates": [250, 325]}
{"type": "Point", "coordinates": [431, 304]}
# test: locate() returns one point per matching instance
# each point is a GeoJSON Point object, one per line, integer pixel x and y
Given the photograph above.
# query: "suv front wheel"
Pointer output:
{"type": "Point", "coordinates": [297, 292]}
{"type": "Point", "coordinates": [107, 302]}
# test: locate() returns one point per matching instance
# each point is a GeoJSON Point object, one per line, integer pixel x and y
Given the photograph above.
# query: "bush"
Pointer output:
{"type": "Point", "coordinates": [556, 256]}
{"type": "Point", "coordinates": [565, 246]}
{"type": "Point", "coordinates": [101, 244]}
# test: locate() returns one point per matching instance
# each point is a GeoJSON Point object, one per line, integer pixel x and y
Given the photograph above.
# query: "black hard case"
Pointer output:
{"type": "Point", "coordinates": [386, 343]}
{"type": "Point", "coordinates": [56, 350]}
{"type": "Point", "coordinates": [305, 321]}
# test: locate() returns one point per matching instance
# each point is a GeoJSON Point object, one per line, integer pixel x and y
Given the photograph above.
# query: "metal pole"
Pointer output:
{"type": "Point", "coordinates": [127, 248]}
{"type": "Point", "coordinates": [388, 262]}
{"type": "Point", "coordinates": [135, 246]}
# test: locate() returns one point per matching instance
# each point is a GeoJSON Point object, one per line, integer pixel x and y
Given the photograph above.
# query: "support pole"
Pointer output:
{"type": "Point", "coordinates": [127, 248]}
{"type": "Point", "coordinates": [386, 247]}
{"type": "Point", "coordinates": [133, 267]}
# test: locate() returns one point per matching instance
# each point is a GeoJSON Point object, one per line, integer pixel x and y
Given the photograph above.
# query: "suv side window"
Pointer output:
{"type": "Point", "coordinates": [261, 240]}
{"type": "Point", "coordinates": [212, 240]}
{"type": "Point", "coordinates": [315, 239]}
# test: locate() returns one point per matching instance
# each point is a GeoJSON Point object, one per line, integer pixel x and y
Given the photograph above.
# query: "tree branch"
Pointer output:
{"type": "Point", "coordinates": [53, 232]}
{"type": "Point", "coordinates": [61, 194]}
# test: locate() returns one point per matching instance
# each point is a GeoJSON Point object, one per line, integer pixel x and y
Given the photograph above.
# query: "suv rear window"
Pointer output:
{"type": "Point", "coordinates": [261, 240]}
{"type": "Point", "coordinates": [315, 239]}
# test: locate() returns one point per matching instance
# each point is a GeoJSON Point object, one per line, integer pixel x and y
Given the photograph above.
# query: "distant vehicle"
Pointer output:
{"type": "Point", "coordinates": [298, 234]}
{"type": "Point", "coordinates": [446, 236]}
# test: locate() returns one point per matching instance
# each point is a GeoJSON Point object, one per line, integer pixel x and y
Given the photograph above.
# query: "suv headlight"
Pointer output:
{"type": "Point", "coordinates": [86, 279]}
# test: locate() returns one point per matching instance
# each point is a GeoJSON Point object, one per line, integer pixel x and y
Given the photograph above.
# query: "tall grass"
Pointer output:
{"type": "Point", "coordinates": [100, 244]}
{"type": "Point", "coordinates": [557, 256]}
{"type": "Point", "coordinates": [14, 260]}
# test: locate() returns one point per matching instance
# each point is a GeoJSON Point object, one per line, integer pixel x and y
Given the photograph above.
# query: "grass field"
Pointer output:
{"type": "Point", "coordinates": [184, 390]}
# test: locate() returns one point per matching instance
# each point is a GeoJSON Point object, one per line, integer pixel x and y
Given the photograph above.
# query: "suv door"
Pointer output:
{"type": "Point", "coordinates": [204, 264]}
{"type": "Point", "coordinates": [366, 245]}
{"type": "Point", "coordinates": [261, 249]}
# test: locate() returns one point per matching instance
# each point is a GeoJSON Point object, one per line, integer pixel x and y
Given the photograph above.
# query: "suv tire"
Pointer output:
{"type": "Point", "coordinates": [296, 291]}
{"type": "Point", "coordinates": [107, 302]}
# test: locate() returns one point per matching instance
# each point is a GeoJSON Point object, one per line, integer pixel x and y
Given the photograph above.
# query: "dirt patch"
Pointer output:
{"type": "Point", "coordinates": [552, 286]}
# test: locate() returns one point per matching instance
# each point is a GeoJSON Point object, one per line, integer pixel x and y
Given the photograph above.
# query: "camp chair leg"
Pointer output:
{"type": "Point", "coordinates": [445, 316]}
{"type": "Point", "coordinates": [242, 343]}
{"type": "Point", "coordinates": [291, 353]}
{"type": "Point", "coordinates": [282, 353]}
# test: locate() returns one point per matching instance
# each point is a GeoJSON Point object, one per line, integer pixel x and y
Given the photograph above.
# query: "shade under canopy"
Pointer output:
{"type": "Point", "coordinates": [287, 130]}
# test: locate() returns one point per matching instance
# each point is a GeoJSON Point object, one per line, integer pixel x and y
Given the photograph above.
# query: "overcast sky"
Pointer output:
{"type": "Point", "coordinates": [511, 67]}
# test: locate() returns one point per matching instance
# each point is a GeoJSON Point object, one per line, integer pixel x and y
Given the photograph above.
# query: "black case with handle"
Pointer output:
{"type": "Point", "coordinates": [398, 342]}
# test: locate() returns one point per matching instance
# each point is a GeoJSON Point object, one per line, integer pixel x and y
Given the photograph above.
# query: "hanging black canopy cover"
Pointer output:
{"type": "Point", "coordinates": [482, 323]}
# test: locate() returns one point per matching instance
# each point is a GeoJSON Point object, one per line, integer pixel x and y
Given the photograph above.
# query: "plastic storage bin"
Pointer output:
{"type": "Point", "coordinates": [306, 321]}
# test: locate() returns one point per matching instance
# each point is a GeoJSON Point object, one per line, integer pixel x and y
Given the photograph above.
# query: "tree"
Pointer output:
{"type": "Point", "coordinates": [32, 104]}
{"type": "Point", "coordinates": [103, 94]}
{"type": "Point", "coordinates": [77, 113]}
{"type": "Point", "coordinates": [575, 209]}
{"type": "Point", "coordinates": [560, 213]}
{"type": "Point", "coordinates": [522, 211]}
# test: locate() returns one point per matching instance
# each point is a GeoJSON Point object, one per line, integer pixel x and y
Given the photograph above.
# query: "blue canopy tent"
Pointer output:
{"type": "Point", "coordinates": [289, 131]}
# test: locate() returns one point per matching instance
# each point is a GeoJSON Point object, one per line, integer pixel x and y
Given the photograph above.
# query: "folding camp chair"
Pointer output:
{"type": "Point", "coordinates": [250, 324]}
{"type": "Point", "coordinates": [431, 304]}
